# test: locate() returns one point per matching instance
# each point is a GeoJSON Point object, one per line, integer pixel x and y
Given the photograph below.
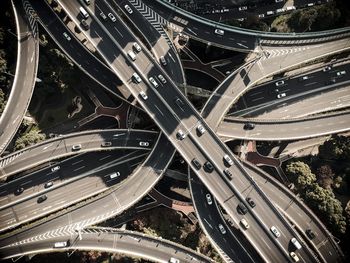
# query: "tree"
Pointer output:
{"type": "Point", "coordinates": [327, 207]}
{"type": "Point", "coordinates": [336, 148]}
{"type": "Point", "coordinates": [300, 173]}
{"type": "Point", "coordinates": [325, 176]}
{"type": "Point", "coordinates": [29, 138]}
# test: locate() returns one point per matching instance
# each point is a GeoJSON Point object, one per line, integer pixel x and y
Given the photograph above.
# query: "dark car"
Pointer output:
{"type": "Point", "coordinates": [209, 167]}
{"type": "Point", "coordinates": [41, 199]}
{"type": "Point", "coordinates": [310, 234]}
{"type": "Point", "coordinates": [228, 173]}
{"type": "Point", "coordinates": [242, 209]}
{"type": "Point", "coordinates": [19, 191]}
{"type": "Point", "coordinates": [249, 126]}
{"type": "Point", "coordinates": [84, 24]}
{"type": "Point", "coordinates": [251, 202]}
{"type": "Point", "coordinates": [196, 164]}
{"type": "Point", "coordinates": [331, 81]}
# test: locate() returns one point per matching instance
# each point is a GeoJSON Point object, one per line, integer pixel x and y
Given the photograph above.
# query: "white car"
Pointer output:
{"type": "Point", "coordinates": [153, 82]}
{"type": "Point", "coordinates": [163, 61]}
{"type": "Point", "coordinates": [304, 78]}
{"type": "Point", "coordinates": [137, 47]}
{"type": "Point", "coordinates": [112, 17]}
{"type": "Point", "coordinates": [180, 135]}
{"type": "Point", "coordinates": [294, 256]}
{"type": "Point", "coordinates": [281, 95]}
{"type": "Point", "coordinates": [242, 8]}
{"type": "Point", "coordinates": [136, 77]}
{"type": "Point", "coordinates": [66, 36]}
{"type": "Point", "coordinates": [327, 68]}
{"type": "Point", "coordinates": [76, 147]}
{"type": "Point", "coordinates": [279, 83]}
{"type": "Point", "coordinates": [145, 144]}
{"type": "Point", "coordinates": [274, 231]}
{"type": "Point", "coordinates": [261, 15]}
{"type": "Point", "coordinates": [244, 223]}
{"type": "Point", "coordinates": [222, 229]}
{"type": "Point", "coordinates": [228, 160]}
{"type": "Point", "coordinates": [209, 200]}
{"type": "Point", "coordinates": [200, 129]}
{"type": "Point", "coordinates": [161, 78]}
{"type": "Point", "coordinates": [56, 168]}
{"type": "Point", "coordinates": [128, 8]}
{"type": "Point", "coordinates": [341, 73]}
{"type": "Point", "coordinates": [143, 95]}
{"type": "Point", "coordinates": [219, 32]}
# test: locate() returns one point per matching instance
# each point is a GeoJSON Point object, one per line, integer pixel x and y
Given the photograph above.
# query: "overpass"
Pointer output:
{"type": "Point", "coordinates": [107, 240]}
{"type": "Point", "coordinates": [23, 84]}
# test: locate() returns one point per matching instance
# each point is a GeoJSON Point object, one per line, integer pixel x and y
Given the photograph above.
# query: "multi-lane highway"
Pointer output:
{"type": "Point", "coordinates": [157, 93]}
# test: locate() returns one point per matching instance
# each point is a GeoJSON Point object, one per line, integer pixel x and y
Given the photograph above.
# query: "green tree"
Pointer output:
{"type": "Point", "coordinates": [336, 148]}
{"type": "Point", "coordinates": [300, 173]}
{"type": "Point", "coordinates": [2, 101]}
{"type": "Point", "coordinates": [325, 176]}
{"type": "Point", "coordinates": [30, 138]}
{"type": "Point", "coordinates": [327, 207]}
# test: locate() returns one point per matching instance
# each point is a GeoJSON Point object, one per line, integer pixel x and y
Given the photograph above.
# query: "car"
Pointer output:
{"type": "Point", "coordinates": [143, 95]}
{"type": "Point", "coordinates": [161, 78]}
{"type": "Point", "coordinates": [331, 81]}
{"type": "Point", "coordinates": [249, 126]}
{"type": "Point", "coordinates": [310, 233]}
{"type": "Point", "coordinates": [136, 77]}
{"type": "Point", "coordinates": [244, 223]}
{"type": "Point", "coordinates": [242, 209]}
{"type": "Point", "coordinates": [179, 103]}
{"type": "Point", "coordinates": [228, 173]}
{"type": "Point", "coordinates": [153, 82]}
{"type": "Point", "coordinates": [144, 144]}
{"type": "Point", "coordinates": [162, 60]}
{"type": "Point", "coordinates": [114, 175]}
{"type": "Point", "coordinates": [196, 163]}
{"type": "Point", "coordinates": [112, 17]}
{"type": "Point", "coordinates": [294, 256]}
{"type": "Point", "coordinates": [66, 36]}
{"type": "Point", "coordinates": [327, 68]}
{"type": "Point", "coordinates": [280, 10]}
{"type": "Point", "coordinates": [270, 13]}
{"type": "Point", "coordinates": [341, 73]}
{"type": "Point", "coordinates": [290, 8]}
{"type": "Point", "coordinates": [228, 160]}
{"type": "Point", "coordinates": [251, 202]}
{"type": "Point", "coordinates": [201, 129]}
{"type": "Point", "coordinates": [209, 200]}
{"type": "Point", "coordinates": [48, 184]}
{"type": "Point", "coordinates": [41, 199]}
{"type": "Point", "coordinates": [261, 15]}
{"type": "Point", "coordinates": [277, 1]}
{"type": "Point", "coordinates": [132, 55]}
{"type": "Point", "coordinates": [103, 16]}
{"type": "Point", "coordinates": [61, 244]}
{"type": "Point", "coordinates": [222, 229]}
{"type": "Point", "coordinates": [128, 8]}
{"type": "Point", "coordinates": [296, 243]}
{"type": "Point", "coordinates": [76, 147]}
{"type": "Point", "coordinates": [281, 95]}
{"type": "Point", "coordinates": [19, 191]}
{"type": "Point", "coordinates": [56, 168]}
{"type": "Point", "coordinates": [310, 4]}
{"type": "Point", "coordinates": [137, 47]}
{"type": "Point", "coordinates": [242, 8]}
{"type": "Point", "coordinates": [304, 78]}
{"type": "Point", "coordinates": [180, 135]}
{"type": "Point", "coordinates": [275, 231]}
{"type": "Point", "coordinates": [87, 2]}
{"type": "Point", "coordinates": [84, 24]}
{"type": "Point", "coordinates": [106, 144]}
{"type": "Point", "coordinates": [209, 167]}
{"type": "Point", "coordinates": [174, 260]}
{"type": "Point", "coordinates": [219, 32]}
{"type": "Point", "coordinates": [279, 83]}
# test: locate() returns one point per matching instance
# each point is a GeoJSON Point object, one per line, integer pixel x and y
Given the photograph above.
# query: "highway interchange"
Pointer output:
{"type": "Point", "coordinates": [113, 41]}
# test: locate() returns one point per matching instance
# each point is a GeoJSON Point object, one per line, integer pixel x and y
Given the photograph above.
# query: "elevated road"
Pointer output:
{"type": "Point", "coordinates": [25, 76]}
{"type": "Point", "coordinates": [236, 38]}
{"type": "Point", "coordinates": [279, 130]}
{"type": "Point", "coordinates": [107, 240]}
{"type": "Point", "coordinates": [193, 145]}
{"type": "Point", "coordinates": [61, 146]}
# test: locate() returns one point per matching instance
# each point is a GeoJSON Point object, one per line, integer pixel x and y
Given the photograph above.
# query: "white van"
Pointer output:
{"type": "Point", "coordinates": [83, 12]}
{"type": "Point", "coordinates": [296, 243]}
{"type": "Point", "coordinates": [60, 244]}
{"type": "Point", "coordinates": [132, 55]}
